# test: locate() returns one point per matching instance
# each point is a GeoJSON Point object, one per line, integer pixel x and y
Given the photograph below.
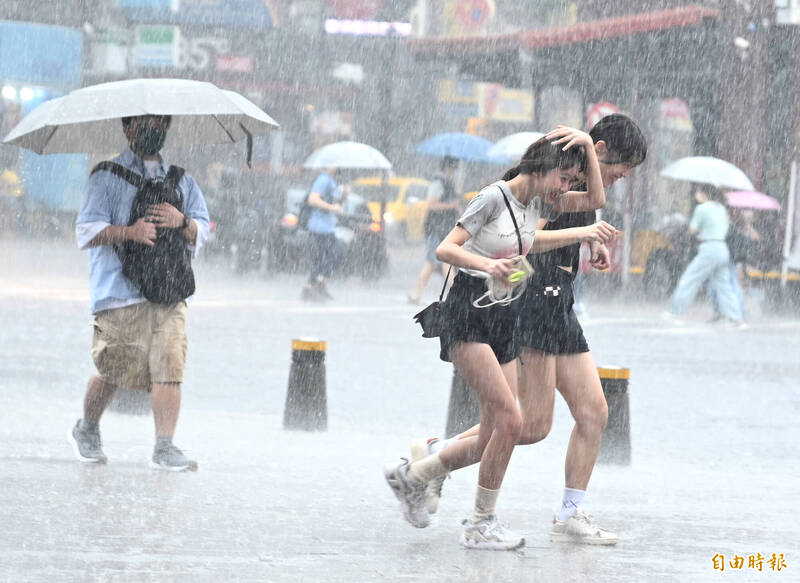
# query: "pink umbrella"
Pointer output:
{"type": "Point", "coordinates": [751, 199]}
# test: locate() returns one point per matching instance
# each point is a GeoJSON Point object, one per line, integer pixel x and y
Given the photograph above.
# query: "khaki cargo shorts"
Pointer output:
{"type": "Point", "coordinates": [140, 344]}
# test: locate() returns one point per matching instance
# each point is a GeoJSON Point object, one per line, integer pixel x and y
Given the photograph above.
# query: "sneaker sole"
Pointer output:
{"type": "Point", "coordinates": [87, 460]}
{"type": "Point", "coordinates": [566, 538]}
{"type": "Point", "coordinates": [491, 546]}
{"type": "Point", "coordinates": [190, 467]}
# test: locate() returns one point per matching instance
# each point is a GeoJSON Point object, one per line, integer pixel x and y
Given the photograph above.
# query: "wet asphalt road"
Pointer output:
{"type": "Point", "coordinates": [715, 466]}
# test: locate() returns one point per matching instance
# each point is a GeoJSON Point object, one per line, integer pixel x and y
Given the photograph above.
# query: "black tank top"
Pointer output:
{"type": "Point", "coordinates": [568, 256]}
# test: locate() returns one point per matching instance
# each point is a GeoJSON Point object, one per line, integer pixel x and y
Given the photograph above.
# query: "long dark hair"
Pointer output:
{"type": "Point", "coordinates": [542, 156]}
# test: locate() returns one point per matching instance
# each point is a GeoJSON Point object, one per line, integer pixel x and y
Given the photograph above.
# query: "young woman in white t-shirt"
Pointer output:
{"type": "Point", "coordinates": [480, 341]}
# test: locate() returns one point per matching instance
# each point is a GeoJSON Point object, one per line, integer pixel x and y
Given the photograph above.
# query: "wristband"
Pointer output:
{"type": "Point", "coordinates": [186, 221]}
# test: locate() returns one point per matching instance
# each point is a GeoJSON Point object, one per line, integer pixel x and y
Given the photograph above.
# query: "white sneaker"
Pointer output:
{"type": "Point", "coordinates": [421, 448]}
{"type": "Point", "coordinates": [411, 494]}
{"type": "Point", "coordinates": [580, 528]}
{"type": "Point", "coordinates": [489, 535]}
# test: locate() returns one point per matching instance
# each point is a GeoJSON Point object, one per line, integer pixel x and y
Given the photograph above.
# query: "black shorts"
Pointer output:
{"type": "Point", "coordinates": [547, 321]}
{"type": "Point", "coordinates": [463, 322]}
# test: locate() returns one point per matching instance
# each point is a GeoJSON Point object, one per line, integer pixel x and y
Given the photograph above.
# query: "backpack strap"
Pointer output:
{"type": "Point", "coordinates": [174, 176]}
{"type": "Point", "coordinates": [127, 175]}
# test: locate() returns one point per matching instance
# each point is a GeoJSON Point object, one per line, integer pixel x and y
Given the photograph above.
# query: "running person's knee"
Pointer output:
{"type": "Point", "coordinates": [535, 431]}
{"type": "Point", "coordinates": [593, 415]}
{"type": "Point", "coordinates": [510, 423]}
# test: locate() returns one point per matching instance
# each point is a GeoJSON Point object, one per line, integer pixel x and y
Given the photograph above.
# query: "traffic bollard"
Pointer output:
{"type": "Point", "coordinates": [462, 411]}
{"type": "Point", "coordinates": [616, 446]}
{"type": "Point", "coordinates": [306, 402]}
{"type": "Point", "coordinates": [130, 402]}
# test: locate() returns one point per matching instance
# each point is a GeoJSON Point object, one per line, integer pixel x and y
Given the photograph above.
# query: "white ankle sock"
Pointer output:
{"type": "Point", "coordinates": [427, 469]}
{"type": "Point", "coordinates": [440, 444]}
{"type": "Point", "coordinates": [485, 501]}
{"type": "Point", "coordinates": [569, 504]}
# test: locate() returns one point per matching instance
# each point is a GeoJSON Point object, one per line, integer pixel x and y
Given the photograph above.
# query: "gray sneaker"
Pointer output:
{"type": "Point", "coordinates": [489, 535]}
{"type": "Point", "coordinates": [172, 459]}
{"type": "Point", "coordinates": [87, 445]}
{"type": "Point", "coordinates": [411, 494]}
{"type": "Point", "coordinates": [420, 449]}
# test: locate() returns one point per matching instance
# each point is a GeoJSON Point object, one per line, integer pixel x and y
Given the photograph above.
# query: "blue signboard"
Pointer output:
{"type": "Point", "coordinates": [40, 54]}
{"type": "Point", "coordinates": [43, 62]}
{"type": "Point", "coordinates": [252, 13]}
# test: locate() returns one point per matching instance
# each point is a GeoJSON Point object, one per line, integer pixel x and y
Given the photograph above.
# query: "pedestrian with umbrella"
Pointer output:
{"type": "Point", "coordinates": [711, 264]}
{"type": "Point", "coordinates": [141, 219]}
{"type": "Point", "coordinates": [324, 203]}
{"type": "Point", "coordinates": [139, 335]}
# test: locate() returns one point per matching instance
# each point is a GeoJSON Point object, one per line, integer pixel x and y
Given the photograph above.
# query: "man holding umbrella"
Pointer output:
{"type": "Point", "coordinates": [139, 341]}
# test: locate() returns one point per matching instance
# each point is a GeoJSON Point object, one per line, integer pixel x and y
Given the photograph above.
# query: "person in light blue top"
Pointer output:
{"type": "Point", "coordinates": [325, 201]}
{"type": "Point", "coordinates": [138, 343]}
{"type": "Point", "coordinates": [710, 225]}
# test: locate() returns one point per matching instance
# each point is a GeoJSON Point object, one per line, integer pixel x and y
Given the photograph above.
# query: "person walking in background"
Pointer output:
{"type": "Point", "coordinates": [139, 331]}
{"type": "Point", "coordinates": [325, 201]}
{"type": "Point", "coordinates": [743, 241]}
{"type": "Point", "coordinates": [710, 225]}
{"type": "Point", "coordinates": [443, 210]}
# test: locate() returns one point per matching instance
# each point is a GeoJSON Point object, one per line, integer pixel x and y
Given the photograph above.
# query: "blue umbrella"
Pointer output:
{"type": "Point", "coordinates": [462, 146]}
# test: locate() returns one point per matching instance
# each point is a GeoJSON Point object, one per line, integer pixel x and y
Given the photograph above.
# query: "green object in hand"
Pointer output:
{"type": "Point", "coordinates": [516, 276]}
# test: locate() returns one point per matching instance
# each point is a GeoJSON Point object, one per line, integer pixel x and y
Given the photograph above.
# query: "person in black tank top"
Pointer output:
{"type": "Point", "coordinates": [554, 351]}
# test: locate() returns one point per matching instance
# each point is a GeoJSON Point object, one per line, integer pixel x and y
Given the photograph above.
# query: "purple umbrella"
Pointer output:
{"type": "Point", "coordinates": [751, 199]}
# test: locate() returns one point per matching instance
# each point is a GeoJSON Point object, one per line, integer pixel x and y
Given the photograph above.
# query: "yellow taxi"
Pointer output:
{"type": "Point", "coordinates": [403, 200]}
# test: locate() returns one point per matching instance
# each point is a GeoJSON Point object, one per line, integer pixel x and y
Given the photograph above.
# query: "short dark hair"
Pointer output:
{"type": "Point", "coordinates": [126, 121]}
{"type": "Point", "coordinates": [449, 162]}
{"type": "Point", "coordinates": [625, 141]}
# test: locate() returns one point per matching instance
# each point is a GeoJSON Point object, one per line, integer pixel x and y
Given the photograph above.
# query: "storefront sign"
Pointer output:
{"type": "Point", "coordinates": [499, 103]}
{"type": "Point", "coordinates": [674, 114]}
{"type": "Point", "coordinates": [157, 46]}
{"type": "Point", "coordinates": [41, 55]}
{"type": "Point", "coordinates": [234, 63]}
{"type": "Point", "coordinates": [598, 111]}
{"type": "Point", "coordinates": [355, 9]}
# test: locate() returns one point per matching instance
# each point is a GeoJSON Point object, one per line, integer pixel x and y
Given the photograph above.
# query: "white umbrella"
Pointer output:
{"type": "Point", "coordinates": [708, 170]}
{"type": "Point", "coordinates": [88, 120]}
{"type": "Point", "coordinates": [511, 148]}
{"type": "Point", "coordinates": [347, 155]}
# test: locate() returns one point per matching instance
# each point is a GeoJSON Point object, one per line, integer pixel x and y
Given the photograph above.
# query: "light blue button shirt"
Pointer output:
{"type": "Point", "coordinates": [108, 201]}
{"type": "Point", "coordinates": [322, 221]}
{"type": "Point", "coordinates": [710, 221]}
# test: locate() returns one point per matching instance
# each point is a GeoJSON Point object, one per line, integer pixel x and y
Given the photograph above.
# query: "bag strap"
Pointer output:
{"type": "Point", "coordinates": [174, 176]}
{"type": "Point", "coordinates": [127, 175]}
{"type": "Point", "coordinates": [513, 219]}
{"type": "Point", "coordinates": [444, 285]}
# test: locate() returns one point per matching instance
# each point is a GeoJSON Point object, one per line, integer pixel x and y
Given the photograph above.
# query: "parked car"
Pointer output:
{"type": "Point", "coordinates": [360, 239]}
{"type": "Point", "coordinates": [403, 200]}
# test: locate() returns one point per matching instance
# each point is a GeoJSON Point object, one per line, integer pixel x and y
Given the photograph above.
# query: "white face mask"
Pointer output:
{"type": "Point", "coordinates": [499, 292]}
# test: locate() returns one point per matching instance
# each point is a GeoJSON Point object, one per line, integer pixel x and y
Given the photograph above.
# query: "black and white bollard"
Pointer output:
{"type": "Point", "coordinates": [130, 402]}
{"type": "Point", "coordinates": [306, 402]}
{"type": "Point", "coordinates": [616, 446]}
{"type": "Point", "coordinates": [462, 411]}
